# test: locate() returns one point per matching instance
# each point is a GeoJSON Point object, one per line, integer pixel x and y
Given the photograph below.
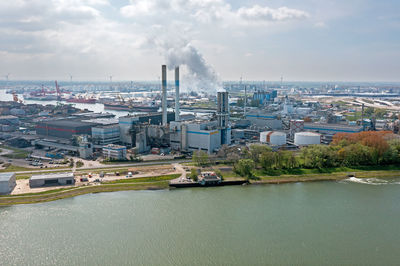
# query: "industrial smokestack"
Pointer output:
{"type": "Point", "coordinates": [177, 111]}
{"type": "Point", "coordinates": [164, 94]}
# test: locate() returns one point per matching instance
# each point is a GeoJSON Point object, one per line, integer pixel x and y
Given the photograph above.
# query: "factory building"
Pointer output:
{"type": "Point", "coordinates": [7, 182]}
{"type": "Point", "coordinates": [116, 152]}
{"type": "Point", "coordinates": [103, 135]}
{"type": "Point", "coordinates": [8, 123]}
{"type": "Point", "coordinates": [332, 128]}
{"type": "Point", "coordinates": [127, 123]}
{"type": "Point", "coordinates": [196, 135]}
{"type": "Point", "coordinates": [63, 128]}
{"type": "Point", "coordinates": [9, 120]}
{"type": "Point", "coordinates": [52, 180]}
{"type": "Point", "coordinates": [261, 119]}
{"type": "Point", "coordinates": [263, 97]}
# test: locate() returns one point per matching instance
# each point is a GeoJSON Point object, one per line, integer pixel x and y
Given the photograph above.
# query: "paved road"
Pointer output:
{"type": "Point", "coordinates": [106, 166]}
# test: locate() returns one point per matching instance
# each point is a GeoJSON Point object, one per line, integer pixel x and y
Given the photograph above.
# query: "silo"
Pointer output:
{"type": "Point", "coordinates": [306, 138]}
{"type": "Point", "coordinates": [273, 137]}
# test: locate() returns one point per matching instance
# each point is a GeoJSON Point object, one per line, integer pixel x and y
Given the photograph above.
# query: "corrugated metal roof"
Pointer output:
{"type": "Point", "coordinates": [52, 176]}
{"type": "Point", "coordinates": [5, 177]}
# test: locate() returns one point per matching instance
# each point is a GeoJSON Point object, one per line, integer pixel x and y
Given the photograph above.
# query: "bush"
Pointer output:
{"type": "Point", "coordinates": [193, 175]}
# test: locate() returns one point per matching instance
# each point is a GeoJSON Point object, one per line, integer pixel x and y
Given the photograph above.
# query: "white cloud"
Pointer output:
{"type": "Point", "coordinates": [258, 13]}
{"type": "Point", "coordinates": [210, 11]}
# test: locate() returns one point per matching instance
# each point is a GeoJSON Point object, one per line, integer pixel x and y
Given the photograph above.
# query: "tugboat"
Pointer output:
{"type": "Point", "coordinates": [205, 179]}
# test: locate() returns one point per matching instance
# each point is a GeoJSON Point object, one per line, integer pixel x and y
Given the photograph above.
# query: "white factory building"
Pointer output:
{"type": "Point", "coordinates": [7, 182]}
{"type": "Point", "coordinates": [196, 135]}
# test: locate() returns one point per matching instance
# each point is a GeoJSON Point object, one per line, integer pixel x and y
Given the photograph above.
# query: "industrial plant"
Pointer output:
{"type": "Point", "coordinates": [136, 122]}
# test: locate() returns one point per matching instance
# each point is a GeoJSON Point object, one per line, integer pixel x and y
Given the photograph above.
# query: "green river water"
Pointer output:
{"type": "Point", "coordinates": [324, 223]}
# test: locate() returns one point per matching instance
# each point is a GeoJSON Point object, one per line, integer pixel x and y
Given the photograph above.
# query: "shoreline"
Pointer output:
{"type": "Point", "coordinates": [62, 193]}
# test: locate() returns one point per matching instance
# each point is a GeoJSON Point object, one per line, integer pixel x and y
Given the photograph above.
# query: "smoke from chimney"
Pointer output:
{"type": "Point", "coordinates": [200, 76]}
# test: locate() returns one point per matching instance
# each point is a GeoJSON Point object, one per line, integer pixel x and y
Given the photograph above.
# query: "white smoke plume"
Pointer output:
{"type": "Point", "coordinates": [199, 75]}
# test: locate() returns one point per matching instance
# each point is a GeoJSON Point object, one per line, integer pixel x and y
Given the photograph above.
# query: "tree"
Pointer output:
{"type": "Point", "coordinates": [244, 168]}
{"type": "Point", "coordinates": [256, 150]}
{"type": "Point", "coordinates": [267, 160]}
{"type": "Point", "coordinates": [200, 158]}
{"type": "Point", "coordinates": [193, 175]}
{"type": "Point", "coordinates": [319, 156]}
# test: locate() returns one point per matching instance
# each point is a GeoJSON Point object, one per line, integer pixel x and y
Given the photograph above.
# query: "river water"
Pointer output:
{"type": "Point", "coordinates": [334, 223]}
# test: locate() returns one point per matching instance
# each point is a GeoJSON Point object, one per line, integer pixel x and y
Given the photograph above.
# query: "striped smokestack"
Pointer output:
{"type": "Point", "coordinates": [164, 95]}
{"type": "Point", "coordinates": [177, 111]}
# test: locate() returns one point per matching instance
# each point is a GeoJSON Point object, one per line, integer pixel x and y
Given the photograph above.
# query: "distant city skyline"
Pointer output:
{"type": "Point", "coordinates": [308, 40]}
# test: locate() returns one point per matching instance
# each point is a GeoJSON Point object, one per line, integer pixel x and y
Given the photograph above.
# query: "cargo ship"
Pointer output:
{"type": "Point", "coordinates": [81, 100]}
{"type": "Point", "coordinates": [131, 107]}
{"type": "Point", "coordinates": [40, 97]}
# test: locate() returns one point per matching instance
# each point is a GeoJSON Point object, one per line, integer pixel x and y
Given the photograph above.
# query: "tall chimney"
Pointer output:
{"type": "Point", "coordinates": [177, 111]}
{"type": "Point", "coordinates": [164, 95]}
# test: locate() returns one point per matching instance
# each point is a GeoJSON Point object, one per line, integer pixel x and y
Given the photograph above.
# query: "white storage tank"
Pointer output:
{"type": "Point", "coordinates": [306, 138]}
{"type": "Point", "coordinates": [273, 137]}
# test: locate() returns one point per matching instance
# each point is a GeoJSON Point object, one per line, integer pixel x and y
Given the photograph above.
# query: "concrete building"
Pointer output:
{"type": "Point", "coordinates": [103, 135]}
{"type": "Point", "coordinates": [195, 135]}
{"type": "Point", "coordinates": [223, 117]}
{"type": "Point", "coordinates": [64, 128]}
{"type": "Point", "coordinates": [52, 179]}
{"type": "Point", "coordinates": [116, 152]}
{"type": "Point", "coordinates": [7, 182]}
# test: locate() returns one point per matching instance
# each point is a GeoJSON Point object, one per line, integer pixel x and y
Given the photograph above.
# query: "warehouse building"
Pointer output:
{"type": "Point", "coordinates": [116, 152]}
{"type": "Point", "coordinates": [52, 180]}
{"type": "Point", "coordinates": [264, 120]}
{"type": "Point", "coordinates": [7, 182]}
{"type": "Point", "coordinates": [64, 128]}
{"type": "Point", "coordinates": [332, 128]}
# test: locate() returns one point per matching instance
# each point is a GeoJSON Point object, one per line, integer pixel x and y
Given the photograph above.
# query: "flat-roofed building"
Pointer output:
{"type": "Point", "coordinates": [7, 182]}
{"type": "Point", "coordinates": [113, 151]}
{"type": "Point", "coordinates": [103, 135]}
{"type": "Point", "coordinates": [52, 179]}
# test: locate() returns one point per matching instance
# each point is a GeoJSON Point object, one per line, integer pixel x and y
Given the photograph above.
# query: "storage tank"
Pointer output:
{"type": "Point", "coordinates": [307, 138]}
{"type": "Point", "coordinates": [273, 137]}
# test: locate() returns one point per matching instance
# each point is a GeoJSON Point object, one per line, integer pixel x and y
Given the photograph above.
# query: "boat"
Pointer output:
{"type": "Point", "coordinates": [205, 179]}
{"type": "Point", "coordinates": [81, 100]}
{"type": "Point", "coordinates": [131, 107]}
{"type": "Point", "coordinates": [40, 97]}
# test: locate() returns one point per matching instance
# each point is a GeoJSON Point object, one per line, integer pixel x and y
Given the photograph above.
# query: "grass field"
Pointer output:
{"type": "Point", "coordinates": [145, 179]}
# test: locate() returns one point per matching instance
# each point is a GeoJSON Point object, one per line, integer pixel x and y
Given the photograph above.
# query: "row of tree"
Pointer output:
{"type": "Point", "coordinates": [370, 148]}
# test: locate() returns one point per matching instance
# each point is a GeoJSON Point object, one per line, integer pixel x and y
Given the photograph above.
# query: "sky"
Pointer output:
{"type": "Point", "coordinates": [301, 40]}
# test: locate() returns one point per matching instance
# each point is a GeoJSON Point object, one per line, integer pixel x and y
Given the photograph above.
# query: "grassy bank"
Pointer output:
{"type": "Point", "coordinates": [76, 191]}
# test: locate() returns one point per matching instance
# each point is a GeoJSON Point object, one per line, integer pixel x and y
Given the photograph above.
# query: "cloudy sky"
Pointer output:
{"type": "Point", "coordinates": [312, 40]}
